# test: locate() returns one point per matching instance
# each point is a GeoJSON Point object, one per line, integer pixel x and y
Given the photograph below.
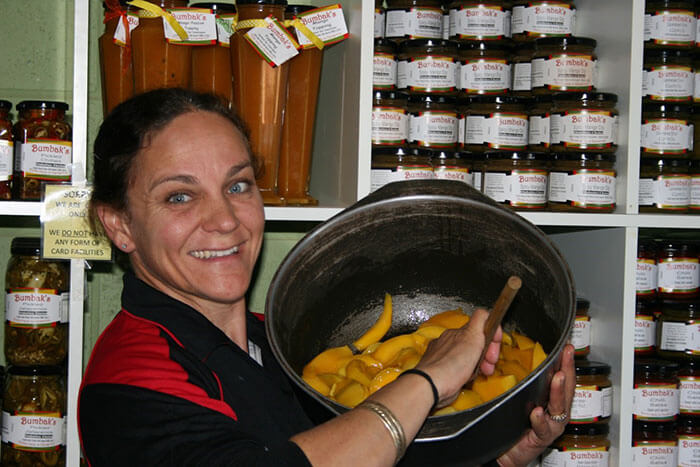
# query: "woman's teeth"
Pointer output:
{"type": "Point", "coordinates": [206, 254]}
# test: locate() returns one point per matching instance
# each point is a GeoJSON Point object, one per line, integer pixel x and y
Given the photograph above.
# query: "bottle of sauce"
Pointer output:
{"type": "Point", "coordinates": [115, 60]}
{"type": "Point", "coordinates": [593, 397]}
{"type": "Point", "coordinates": [655, 397]}
{"type": "Point", "coordinates": [580, 445]}
{"type": "Point", "coordinates": [688, 442]}
{"type": "Point", "coordinates": [677, 330]}
{"type": "Point", "coordinates": [581, 333]}
{"type": "Point", "coordinates": [654, 443]}
{"type": "Point", "coordinates": [645, 328]}
{"type": "Point", "coordinates": [689, 377]}
{"type": "Point", "coordinates": [647, 270]}
{"type": "Point", "coordinates": [679, 272]}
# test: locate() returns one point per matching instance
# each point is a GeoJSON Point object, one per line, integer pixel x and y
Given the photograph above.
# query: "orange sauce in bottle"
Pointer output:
{"type": "Point", "coordinates": [115, 63]}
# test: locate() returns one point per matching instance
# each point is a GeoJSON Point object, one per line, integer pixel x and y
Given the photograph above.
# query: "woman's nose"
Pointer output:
{"type": "Point", "coordinates": [220, 215]}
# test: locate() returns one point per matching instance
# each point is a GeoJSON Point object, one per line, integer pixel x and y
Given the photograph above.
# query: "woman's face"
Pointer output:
{"type": "Point", "coordinates": [195, 219]}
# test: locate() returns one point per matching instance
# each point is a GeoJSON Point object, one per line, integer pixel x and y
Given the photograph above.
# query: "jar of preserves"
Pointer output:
{"type": "Point", "coordinates": [43, 148]}
{"type": "Point", "coordinates": [483, 20]}
{"type": "Point", "coordinates": [694, 203]}
{"type": "Point", "coordinates": [34, 417]}
{"type": "Point", "coordinates": [485, 67]}
{"type": "Point", "coordinates": [496, 122]}
{"type": "Point", "coordinates": [667, 75]}
{"type": "Point", "coordinates": [539, 120]}
{"type": "Point", "coordinates": [664, 185]}
{"type": "Point", "coordinates": [398, 164]}
{"type": "Point", "coordinates": [521, 64]}
{"type": "Point", "coordinates": [478, 163]}
{"type": "Point", "coordinates": [654, 443]}
{"type": "Point", "coordinates": [594, 393]}
{"type": "Point", "coordinates": [655, 396]}
{"type": "Point", "coordinates": [581, 333]}
{"type": "Point", "coordinates": [543, 18]}
{"type": "Point", "coordinates": [647, 272]}
{"type": "Point", "coordinates": [689, 377]}
{"type": "Point", "coordinates": [584, 121]}
{"type": "Point", "coordinates": [428, 66]}
{"type": "Point", "coordinates": [688, 442]}
{"type": "Point", "coordinates": [6, 150]}
{"type": "Point", "coordinates": [580, 445]}
{"type": "Point", "coordinates": [413, 19]}
{"type": "Point", "coordinates": [667, 129]}
{"type": "Point", "coordinates": [645, 328]}
{"type": "Point", "coordinates": [564, 64]}
{"type": "Point", "coordinates": [379, 19]}
{"type": "Point", "coordinates": [669, 23]}
{"type": "Point", "coordinates": [115, 57]}
{"type": "Point", "coordinates": [36, 306]}
{"type": "Point", "coordinates": [450, 165]}
{"type": "Point", "coordinates": [678, 270]}
{"type": "Point", "coordinates": [678, 329]}
{"type": "Point", "coordinates": [432, 121]}
{"type": "Point", "coordinates": [389, 119]}
{"type": "Point", "coordinates": [385, 64]}
{"type": "Point", "coordinates": [516, 179]}
{"type": "Point", "coordinates": [583, 182]}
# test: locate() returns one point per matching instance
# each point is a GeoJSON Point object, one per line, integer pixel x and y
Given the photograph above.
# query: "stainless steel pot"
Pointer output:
{"type": "Point", "coordinates": [434, 245]}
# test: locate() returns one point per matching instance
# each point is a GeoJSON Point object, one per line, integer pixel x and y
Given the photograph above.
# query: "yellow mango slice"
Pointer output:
{"type": "Point", "coordinates": [523, 357]}
{"type": "Point", "coordinates": [511, 367]}
{"type": "Point", "coordinates": [357, 370]}
{"type": "Point", "coordinates": [352, 394]}
{"type": "Point", "coordinates": [318, 384]}
{"type": "Point", "coordinates": [450, 319]}
{"type": "Point", "coordinates": [445, 410]}
{"type": "Point", "coordinates": [373, 365]}
{"type": "Point", "coordinates": [328, 361]}
{"type": "Point", "coordinates": [338, 386]}
{"type": "Point", "coordinates": [492, 386]}
{"type": "Point", "coordinates": [466, 399]}
{"type": "Point", "coordinates": [538, 356]}
{"type": "Point", "coordinates": [406, 359]}
{"type": "Point", "coordinates": [507, 338]}
{"type": "Point", "coordinates": [387, 352]}
{"type": "Point", "coordinates": [384, 377]}
{"type": "Point", "coordinates": [430, 332]}
{"type": "Point", "coordinates": [522, 341]}
{"type": "Point", "coordinates": [378, 329]}
{"type": "Point", "coordinates": [371, 348]}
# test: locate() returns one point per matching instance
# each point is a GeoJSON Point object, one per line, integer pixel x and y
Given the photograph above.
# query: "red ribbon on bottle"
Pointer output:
{"type": "Point", "coordinates": [115, 10]}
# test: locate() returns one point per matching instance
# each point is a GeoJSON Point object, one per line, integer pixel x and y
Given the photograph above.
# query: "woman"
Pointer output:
{"type": "Point", "coordinates": [183, 375]}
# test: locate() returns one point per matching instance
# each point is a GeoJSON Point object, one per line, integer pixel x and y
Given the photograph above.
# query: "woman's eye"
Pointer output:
{"type": "Point", "coordinates": [179, 198]}
{"type": "Point", "coordinates": [239, 187]}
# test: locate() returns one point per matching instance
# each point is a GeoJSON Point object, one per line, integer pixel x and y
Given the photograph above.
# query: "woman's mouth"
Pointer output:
{"type": "Point", "coordinates": [206, 254]}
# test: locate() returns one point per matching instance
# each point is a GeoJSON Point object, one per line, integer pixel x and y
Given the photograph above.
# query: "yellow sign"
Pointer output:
{"type": "Point", "coordinates": [66, 231]}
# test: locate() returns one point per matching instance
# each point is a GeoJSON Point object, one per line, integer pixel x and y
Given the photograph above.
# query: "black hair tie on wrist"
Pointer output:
{"type": "Point", "coordinates": [436, 396]}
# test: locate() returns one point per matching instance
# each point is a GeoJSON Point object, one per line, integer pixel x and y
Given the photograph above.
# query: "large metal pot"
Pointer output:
{"type": "Point", "coordinates": [433, 245]}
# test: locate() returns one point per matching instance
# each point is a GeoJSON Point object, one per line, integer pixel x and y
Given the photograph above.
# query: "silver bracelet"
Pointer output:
{"type": "Point", "coordinates": [390, 422]}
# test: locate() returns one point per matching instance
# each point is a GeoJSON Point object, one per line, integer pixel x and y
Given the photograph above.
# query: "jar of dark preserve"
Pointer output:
{"type": "Point", "coordinates": [584, 121]}
{"type": "Point", "coordinates": [688, 441]}
{"type": "Point", "coordinates": [581, 333]}
{"type": "Point", "coordinates": [389, 119]}
{"type": "Point", "coordinates": [496, 123]}
{"type": "Point", "coordinates": [689, 377]}
{"type": "Point", "coordinates": [485, 67]}
{"type": "Point", "coordinates": [542, 18]}
{"type": "Point", "coordinates": [667, 129]}
{"type": "Point", "coordinates": [645, 328]}
{"type": "Point", "coordinates": [582, 182]}
{"type": "Point", "coordinates": [581, 444]}
{"type": "Point", "coordinates": [647, 271]}
{"type": "Point", "coordinates": [385, 64]}
{"type": "Point", "coordinates": [480, 20]}
{"type": "Point", "coordinates": [664, 185]}
{"type": "Point", "coordinates": [564, 64]}
{"type": "Point", "coordinates": [516, 179]}
{"type": "Point", "coordinates": [432, 121]}
{"type": "Point", "coordinates": [428, 66]}
{"type": "Point", "coordinates": [6, 150]}
{"type": "Point", "coordinates": [450, 165]}
{"type": "Point", "coordinates": [655, 396]}
{"type": "Point", "coordinates": [668, 75]}
{"type": "Point", "coordinates": [398, 164]}
{"type": "Point", "coordinates": [654, 443]}
{"type": "Point", "coordinates": [677, 330]}
{"type": "Point", "coordinates": [669, 23]}
{"type": "Point", "coordinates": [413, 19]}
{"type": "Point", "coordinates": [678, 270]}
{"type": "Point", "coordinates": [593, 397]}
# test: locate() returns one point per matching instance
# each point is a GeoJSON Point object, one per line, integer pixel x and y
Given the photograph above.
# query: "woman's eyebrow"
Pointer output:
{"type": "Point", "coordinates": [237, 168]}
{"type": "Point", "coordinates": [191, 180]}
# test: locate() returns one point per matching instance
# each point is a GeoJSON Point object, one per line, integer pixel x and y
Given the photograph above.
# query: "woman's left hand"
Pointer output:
{"type": "Point", "coordinates": [545, 429]}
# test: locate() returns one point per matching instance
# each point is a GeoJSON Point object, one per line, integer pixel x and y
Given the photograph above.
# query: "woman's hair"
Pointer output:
{"type": "Point", "coordinates": [129, 128]}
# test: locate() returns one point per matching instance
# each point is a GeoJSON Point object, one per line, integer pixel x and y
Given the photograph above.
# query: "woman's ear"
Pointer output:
{"type": "Point", "coordinates": [116, 226]}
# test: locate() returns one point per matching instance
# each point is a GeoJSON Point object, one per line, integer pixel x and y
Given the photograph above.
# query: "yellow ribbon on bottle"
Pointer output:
{"type": "Point", "coordinates": [300, 26]}
{"type": "Point", "coordinates": [153, 11]}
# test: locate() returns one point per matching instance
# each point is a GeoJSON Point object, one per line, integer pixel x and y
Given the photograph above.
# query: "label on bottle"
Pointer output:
{"type": "Point", "coordinates": [696, 86]}
{"type": "Point", "coordinates": [380, 177]}
{"type": "Point", "coordinates": [522, 79]}
{"type": "Point", "coordinates": [384, 71]}
{"type": "Point", "coordinates": [594, 456]}
{"type": "Point", "coordinates": [671, 27]}
{"type": "Point", "coordinates": [434, 128]}
{"type": "Point", "coordinates": [695, 192]}
{"type": "Point", "coordinates": [689, 395]}
{"type": "Point", "coordinates": [46, 159]}
{"type": "Point", "coordinates": [506, 130]}
{"type": "Point", "coordinates": [379, 23]}
{"type": "Point", "coordinates": [558, 187]}
{"type": "Point", "coordinates": [35, 307]}
{"type": "Point", "coordinates": [665, 192]}
{"type": "Point", "coordinates": [34, 431]}
{"type": "Point", "coordinates": [389, 126]}
{"type": "Point", "coordinates": [680, 337]}
{"type": "Point", "coordinates": [132, 20]}
{"type": "Point", "coordinates": [592, 188]}
{"type": "Point", "coordinates": [667, 136]}
{"type": "Point", "coordinates": [655, 453]}
{"type": "Point", "coordinates": [273, 42]}
{"type": "Point", "coordinates": [646, 276]}
{"type": "Point", "coordinates": [539, 130]}
{"type": "Point", "coordinates": [224, 28]}
{"type": "Point", "coordinates": [644, 333]}
{"type": "Point", "coordinates": [477, 178]}
{"type": "Point", "coordinates": [688, 450]}
{"type": "Point", "coordinates": [434, 72]}
{"type": "Point", "coordinates": [414, 23]}
{"type": "Point", "coordinates": [6, 159]}
{"type": "Point", "coordinates": [581, 334]}
{"type": "Point", "coordinates": [569, 71]}
{"type": "Point", "coordinates": [668, 83]}
{"type": "Point", "coordinates": [591, 403]}
{"type": "Point", "coordinates": [655, 402]}
{"type": "Point", "coordinates": [525, 188]}
{"type": "Point", "coordinates": [678, 275]}
{"type": "Point", "coordinates": [480, 21]}
{"type": "Point", "coordinates": [198, 23]}
{"type": "Point", "coordinates": [544, 17]}
{"type": "Point", "coordinates": [327, 23]}
{"type": "Point", "coordinates": [447, 172]}
{"type": "Point", "coordinates": [588, 129]}
{"type": "Point", "coordinates": [492, 76]}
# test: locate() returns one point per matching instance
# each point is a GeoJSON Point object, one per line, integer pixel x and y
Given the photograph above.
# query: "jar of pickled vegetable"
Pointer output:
{"type": "Point", "coordinates": [645, 328]}
{"type": "Point", "coordinates": [678, 270]}
{"type": "Point", "coordinates": [389, 119]}
{"type": "Point", "coordinates": [36, 306]}
{"type": "Point", "coordinates": [398, 164]}
{"type": "Point", "coordinates": [678, 329]}
{"type": "Point", "coordinates": [428, 66]}
{"type": "Point", "coordinates": [583, 182]}
{"type": "Point", "coordinates": [669, 23]}
{"type": "Point", "coordinates": [543, 18]}
{"type": "Point", "coordinates": [496, 122]}
{"type": "Point", "coordinates": [34, 417]}
{"type": "Point", "coordinates": [689, 377]}
{"type": "Point", "coordinates": [655, 396]}
{"type": "Point", "coordinates": [584, 121]}
{"type": "Point", "coordinates": [413, 19]}
{"type": "Point", "coordinates": [485, 67]}
{"type": "Point", "coordinates": [581, 333]}
{"type": "Point", "coordinates": [646, 274]}
{"type": "Point", "coordinates": [43, 148]}
{"type": "Point", "coordinates": [6, 150]}
{"type": "Point", "coordinates": [384, 65]}
{"type": "Point", "coordinates": [667, 75]}
{"type": "Point", "coordinates": [450, 165]}
{"type": "Point", "coordinates": [432, 121]}
{"type": "Point", "coordinates": [688, 442]}
{"type": "Point", "coordinates": [580, 445]}
{"type": "Point", "coordinates": [664, 185]}
{"type": "Point", "coordinates": [564, 64]}
{"type": "Point", "coordinates": [667, 129]}
{"type": "Point", "coordinates": [593, 397]}
{"type": "Point", "coordinates": [516, 179]}
{"type": "Point", "coordinates": [654, 443]}
{"type": "Point", "coordinates": [480, 20]}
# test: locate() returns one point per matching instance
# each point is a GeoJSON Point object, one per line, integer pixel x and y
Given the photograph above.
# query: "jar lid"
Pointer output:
{"type": "Point", "coordinates": [435, 153]}
{"type": "Point", "coordinates": [218, 7]}
{"type": "Point", "coordinates": [665, 162]}
{"type": "Point", "coordinates": [392, 95]}
{"type": "Point", "coordinates": [420, 152]}
{"type": "Point", "coordinates": [482, 45]}
{"type": "Point", "coordinates": [465, 155]}
{"type": "Point", "coordinates": [399, 151]}
{"type": "Point", "coordinates": [261, 2]}
{"type": "Point", "coordinates": [28, 105]}
{"type": "Point", "coordinates": [665, 53]}
{"type": "Point", "coordinates": [414, 43]}
{"type": "Point", "coordinates": [585, 96]}
{"type": "Point", "coordinates": [382, 42]}
{"type": "Point", "coordinates": [584, 156]}
{"type": "Point", "coordinates": [5, 105]}
{"type": "Point", "coordinates": [486, 99]}
{"type": "Point", "coordinates": [676, 246]}
{"type": "Point", "coordinates": [434, 98]}
{"type": "Point", "coordinates": [690, 306]}
{"type": "Point", "coordinates": [582, 303]}
{"type": "Point", "coordinates": [587, 429]}
{"type": "Point", "coordinates": [646, 245]}
{"type": "Point", "coordinates": [123, 3]}
{"type": "Point", "coordinates": [44, 370]}
{"type": "Point", "coordinates": [29, 246]}
{"type": "Point", "coordinates": [646, 306]}
{"type": "Point", "coordinates": [666, 107]}
{"type": "Point", "coordinates": [690, 365]}
{"type": "Point", "coordinates": [687, 422]}
{"type": "Point", "coordinates": [564, 42]}
{"type": "Point", "coordinates": [656, 427]}
{"type": "Point", "coordinates": [587, 367]}
{"type": "Point", "coordinates": [656, 365]}
{"type": "Point", "coordinates": [515, 155]}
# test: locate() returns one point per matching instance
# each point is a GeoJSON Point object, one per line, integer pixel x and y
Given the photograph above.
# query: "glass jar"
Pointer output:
{"type": "Point", "coordinates": [116, 68]}
{"type": "Point", "coordinates": [664, 185]}
{"type": "Point", "coordinates": [694, 203]}
{"type": "Point", "coordinates": [654, 444]}
{"type": "Point", "coordinates": [485, 67]}
{"type": "Point", "coordinates": [647, 272]}
{"type": "Point", "coordinates": [385, 65]}
{"type": "Point", "coordinates": [667, 75]}
{"type": "Point", "coordinates": [478, 163]}
{"type": "Point", "coordinates": [564, 64]}
{"type": "Point", "coordinates": [584, 121]}
{"type": "Point", "coordinates": [158, 63]}
{"type": "Point", "coordinates": [496, 122]}
{"type": "Point", "coordinates": [521, 64]}
{"type": "Point", "coordinates": [539, 121]}
{"type": "Point", "coordinates": [379, 19]}
{"type": "Point", "coordinates": [583, 182]}
{"type": "Point", "coordinates": [543, 18]}
{"type": "Point", "coordinates": [516, 179]}
{"type": "Point", "coordinates": [580, 445]}
{"type": "Point", "coordinates": [677, 329]}
{"type": "Point", "coordinates": [669, 23]}
{"type": "Point", "coordinates": [645, 328]}
{"type": "Point", "coordinates": [36, 311]}
{"type": "Point", "coordinates": [6, 150]}
{"type": "Point", "coordinates": [655, 396]}
{"type": "Point", "coordinates": [398, 164]}
{"type": "Point", "coordinates": [432, 121]}
{"type": "Point", "coordinates": [483, 20]}
{"type": "Point", "coordinates": [389, 119]}
{"type": "Point", "coordinates": [43, 148]}
{"type": "Point", "coordinates": [34, 417]}
{"type": "Point", "coordinates": [689, 377]}
{"type": "Point", "coordinates": [696, 75]}
{"type": "Point", "coordinates": [581, 333]}
{"type": "Point", "coordinates": [450, 165]}
{"type": "Point", "coordinates": [413, 19]}
{"type": "Point", "coordinates": [428, 66]}
{"type": "Point", "coordinates": [667, 129]}
{"type": "Point", "coordinates": [594, 393]}
{"type": "Point", "coordinates": [678, 270]}
{"type": "Point", "coordinates": [688, 442]}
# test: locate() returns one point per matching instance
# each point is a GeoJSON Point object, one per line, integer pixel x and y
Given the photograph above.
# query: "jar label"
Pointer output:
{"type": "Point", "coordinates": [434, 128]}
{"type": "Point", "coordinates": [558, 187]}
{"type": "Point", "coordinates": [591, 403]}
{"type": "Point", "coordinates": [690, 395]}
{"type": "Point", "coordinates": [446, 25]}
{"type": "Point", "coordinates": [6, 159]}
{"type": "Point", "coordinates": [34, 432]}
{"type": "Point", "coordinates": [384, 71]}
{"type": "Point", "coordinates": [326, 23]}
{"type": "Point", "coordinates": [430, 73]}
{"type": "Point", "coordinates": [696, 86]}
{"type": "Point", "coordinates": [490, 76]}
{"type": "Point", "coordinates": [656, 402]}
{"type": "Point", "coordinates": [680, 337]}
{"type": "Point", "coordinates": [644, 333]}
{"type": "Point", "coordinates": [35, 307]}
{"type": "Point", "coordinates": [525, 188]}
{"type": "Point", "coordinates": [665, 192]}
{"type": "Point", "coordinates": [646, 274]}
{"type": "Point", "coordinates": [380, 177]}
{"type": "Point", "coordinates": [584, 129]}
{"type": "Point", "coordinates": [506, 130]}
{"type": "Point", "coordinates": [688, 450]}
{"type": "Point", "coordinates": [462, 123]}
{"type": "Point", "coordinates": [477, 178]}
{"type": "Point", "coordinates": [119, 37]}
{"type": "Point", "coordinates": [544, 17]}
{"type": "Point", "coordinates": [522, 76]}
{"type": "Point", "coordinates": [671, 27]}
{"type": "Point", "coordinates": [678, 275]}
{"type": "Point", "coordinates": [445, 172]}
{"type": "Point", "coordinates": [539, 130]}
{"type": "Point", "coordinates": [479, 21]}
{"type": "Point", "coordinates": [415, 23]}
{"type": "Point", "coordinates": [581, 334]}
{"type": "Point", "coordinates": [569, 71]}
{"type": "Point", "coordinates": [45, 159]}
{"type": "Point", "coordinates": [668, 83]}
{"type": "Point", "coordinates": [670, 136]}
{"type": "Point", "coordinates": [198, 23]}
{"type": "Point", "coordinates": [379, 21]}
{"type": "Point", "coordinates": [593, 456]}
{"type": "Point", "coordinates": [389, 126]}
{"type": "Point", "coordinates": [592, 188]}
{"type": "Point", "coordinates": [273, 42]}
{"type": "Point", "coordinates": [655, 453]}
{"type": "Point", "coordinates": [695, 191]}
